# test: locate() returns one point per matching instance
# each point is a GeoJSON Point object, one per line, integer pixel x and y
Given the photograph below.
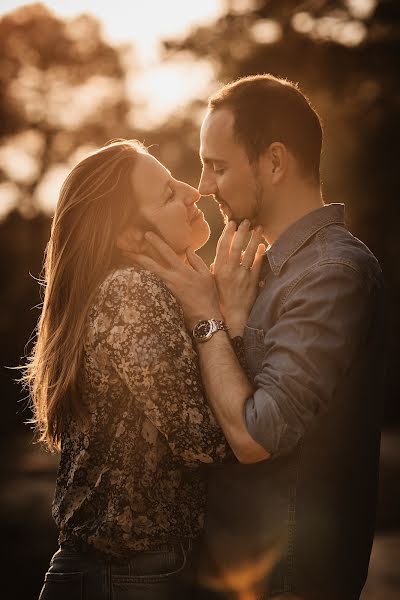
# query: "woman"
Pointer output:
{"type": "Point", "coordinates": [115, 385]}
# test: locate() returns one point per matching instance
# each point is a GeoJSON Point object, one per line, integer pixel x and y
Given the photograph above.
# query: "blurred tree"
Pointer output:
{"type": "Point", "coordinates": [62, 91]}
{"type": "Point", "coordinates": [62, 88]}
{"type": "Point", "coordinates": [344, 54]}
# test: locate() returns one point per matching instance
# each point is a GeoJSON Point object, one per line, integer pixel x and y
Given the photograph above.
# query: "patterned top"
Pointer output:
{"type": "Point", "coordinates": [129, 479]}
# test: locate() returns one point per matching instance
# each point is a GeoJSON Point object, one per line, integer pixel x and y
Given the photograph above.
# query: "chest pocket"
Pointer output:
{"type": "Point", "coordinates": [254, 348]}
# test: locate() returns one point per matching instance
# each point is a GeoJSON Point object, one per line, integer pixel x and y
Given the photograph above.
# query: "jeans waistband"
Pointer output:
{"type": "Point", "coordinates": [90, 554]}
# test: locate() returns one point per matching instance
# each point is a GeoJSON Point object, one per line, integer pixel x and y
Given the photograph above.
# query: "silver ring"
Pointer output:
{"type": "Point", "coordinates": [245, 267]}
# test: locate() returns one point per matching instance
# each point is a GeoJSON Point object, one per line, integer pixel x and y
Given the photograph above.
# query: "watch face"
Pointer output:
{"type": "Point", "coordinates": [202, 329]}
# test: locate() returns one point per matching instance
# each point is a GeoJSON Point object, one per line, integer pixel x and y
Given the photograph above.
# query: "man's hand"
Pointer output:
{"type": "Point", "coordinates": [237, 270]}
{"type": "Point", "coordinates": [192, 283]}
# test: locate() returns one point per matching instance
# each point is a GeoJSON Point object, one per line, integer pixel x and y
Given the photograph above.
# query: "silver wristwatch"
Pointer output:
{"type": "Point", "coordinates": [205, 329]}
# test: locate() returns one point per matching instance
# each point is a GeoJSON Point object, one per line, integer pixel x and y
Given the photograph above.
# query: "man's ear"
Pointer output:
{"type": "Point", "coordinates": [130, 240]}
{"type": "Point", "coordinates": [274, 162]}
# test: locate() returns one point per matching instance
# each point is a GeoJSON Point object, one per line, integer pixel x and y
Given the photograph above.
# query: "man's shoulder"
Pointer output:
{"type": "Point", "coordinates": [337, 246]}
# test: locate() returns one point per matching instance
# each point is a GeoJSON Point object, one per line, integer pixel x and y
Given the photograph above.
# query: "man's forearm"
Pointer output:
{"type": "Point", "coordinates": [227, 390]}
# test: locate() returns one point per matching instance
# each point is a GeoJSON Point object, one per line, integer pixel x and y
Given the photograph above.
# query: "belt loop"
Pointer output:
{"type": "Point", "coordinates": [173, 557]}
{"type": "Point", "coordinates": [107, 591]}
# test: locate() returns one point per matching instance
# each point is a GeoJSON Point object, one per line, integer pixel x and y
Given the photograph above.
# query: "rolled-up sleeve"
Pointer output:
{"type": "Point", "coordinates": [321, 326]}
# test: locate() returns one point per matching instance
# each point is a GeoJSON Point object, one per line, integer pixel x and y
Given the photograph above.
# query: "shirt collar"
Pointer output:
{"type": "Point", "coordinates": [297, 234]}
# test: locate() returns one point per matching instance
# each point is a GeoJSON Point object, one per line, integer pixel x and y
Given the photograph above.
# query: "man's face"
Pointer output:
{"type": "Point", "coordinates": [227, 173]}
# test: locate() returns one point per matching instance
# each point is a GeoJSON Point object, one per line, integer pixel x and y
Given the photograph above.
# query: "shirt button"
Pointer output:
{"type": "Point", "coordinates": [261, 283]}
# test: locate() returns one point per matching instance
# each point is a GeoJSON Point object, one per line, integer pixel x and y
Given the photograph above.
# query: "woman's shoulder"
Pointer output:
{"type": "Point", "coordinates": [131, 296]}
{"type": "Point", "coordinates": [129, 284]}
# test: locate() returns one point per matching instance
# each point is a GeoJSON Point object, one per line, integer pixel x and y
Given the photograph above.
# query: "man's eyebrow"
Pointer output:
{"type": "Point", "coordinates": [206, 160]}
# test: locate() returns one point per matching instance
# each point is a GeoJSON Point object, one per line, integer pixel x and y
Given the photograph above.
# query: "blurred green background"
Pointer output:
{"type": "Point", "coordinates": [67, 86]}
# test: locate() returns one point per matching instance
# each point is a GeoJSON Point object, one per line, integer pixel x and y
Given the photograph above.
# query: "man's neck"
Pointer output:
{"type": "Point", "coordinates": [291, 209]}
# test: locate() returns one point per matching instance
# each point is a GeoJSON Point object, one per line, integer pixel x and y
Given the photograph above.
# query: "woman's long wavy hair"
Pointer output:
{"type": "Point", "coordinates": [96, 203]}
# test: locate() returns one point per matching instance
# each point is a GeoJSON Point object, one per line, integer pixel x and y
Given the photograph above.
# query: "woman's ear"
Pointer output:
{"type": "Point", "coordinates": [130, 240]}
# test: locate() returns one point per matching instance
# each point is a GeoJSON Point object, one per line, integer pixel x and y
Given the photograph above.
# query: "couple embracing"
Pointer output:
{"type": "Point", "coordinates": [219, 428]}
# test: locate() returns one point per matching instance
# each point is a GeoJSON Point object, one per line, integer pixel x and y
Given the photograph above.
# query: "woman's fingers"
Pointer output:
{"type": "Point", "coordinates": [257, 263]}
{"type": "Point", "coordinates": [224, 245]}
{"type": "Point", "coordinates": [231, 243]}
{"type": "Point", "coordinates": [238, 242]}
{"type": "Point", "coordinates": [221, 236]}
{"type": "Point", "coordinates": [252, 247]}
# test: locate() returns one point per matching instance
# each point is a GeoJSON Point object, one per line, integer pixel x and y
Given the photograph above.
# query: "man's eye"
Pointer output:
{"type": "Point", "coordinates": [219, 170]}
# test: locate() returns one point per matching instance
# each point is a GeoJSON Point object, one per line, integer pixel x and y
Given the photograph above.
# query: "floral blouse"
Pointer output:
{"type": "Point", "coordinates": [129, 479]}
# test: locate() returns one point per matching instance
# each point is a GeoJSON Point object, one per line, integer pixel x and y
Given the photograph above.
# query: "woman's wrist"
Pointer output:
{"type": "Point", "coordinates": [235, 327]}
{"type": "Point", "coordinates": [235, 332]}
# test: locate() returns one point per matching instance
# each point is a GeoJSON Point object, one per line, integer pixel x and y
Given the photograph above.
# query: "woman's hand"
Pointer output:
{"type": "Point", "coordinates": [191, 283]}
{"type": "Point", "coordinates": [237, 270]}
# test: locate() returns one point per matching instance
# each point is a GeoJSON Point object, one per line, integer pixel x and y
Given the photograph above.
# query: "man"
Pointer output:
{"type": "Point", "coordinates": [308, 414]}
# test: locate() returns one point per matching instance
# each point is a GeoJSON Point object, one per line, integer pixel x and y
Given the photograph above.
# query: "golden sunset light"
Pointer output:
{"type": "Point", "coordinates": [143, 25]}
{"type": "Point", "coordinates": [157, 87]}
{"type": "Point", "coordinates": [199, 324]}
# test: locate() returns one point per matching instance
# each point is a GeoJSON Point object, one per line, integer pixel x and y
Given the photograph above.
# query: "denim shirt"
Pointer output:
{"type": "Point", "coordinates": [314, 348]}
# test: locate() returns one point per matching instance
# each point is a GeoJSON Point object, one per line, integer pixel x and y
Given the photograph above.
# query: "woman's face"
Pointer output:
{"type": "Point", "coordinates": [168, 205]}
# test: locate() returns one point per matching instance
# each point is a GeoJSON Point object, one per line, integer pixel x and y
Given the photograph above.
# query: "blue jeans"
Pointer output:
{"type": "Point", "coordinates": [163, 574]}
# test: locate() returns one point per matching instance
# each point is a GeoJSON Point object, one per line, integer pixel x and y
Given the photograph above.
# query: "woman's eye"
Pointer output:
{"type": "Point", "coordinates": [219, 170]}
{"type": "Point", "coordinates": [171, 195]}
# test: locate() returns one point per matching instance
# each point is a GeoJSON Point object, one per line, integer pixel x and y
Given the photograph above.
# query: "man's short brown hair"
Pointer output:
{"type": "Point", "coordinates": [268, 109]}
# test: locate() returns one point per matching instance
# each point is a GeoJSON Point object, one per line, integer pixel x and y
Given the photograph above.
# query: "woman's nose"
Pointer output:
{"type": "Point", "coordinates": [191, 195]}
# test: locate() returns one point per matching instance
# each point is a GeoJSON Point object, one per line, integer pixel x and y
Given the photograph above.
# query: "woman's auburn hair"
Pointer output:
{"type": "Point", "coordinates": [95, 204]}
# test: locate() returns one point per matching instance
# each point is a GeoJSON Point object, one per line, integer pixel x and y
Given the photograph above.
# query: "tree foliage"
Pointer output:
{"type": "Point", "coordinates": [62, 89]}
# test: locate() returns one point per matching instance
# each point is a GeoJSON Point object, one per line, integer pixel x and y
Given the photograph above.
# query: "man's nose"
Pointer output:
{"type": "Point", "coordinates": [207, 184]}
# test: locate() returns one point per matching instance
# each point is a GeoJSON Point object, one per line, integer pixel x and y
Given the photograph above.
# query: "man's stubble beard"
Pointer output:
{"type": "Point", "coordinates": [258, 204]}
{"type": "Point", "coordinates": [256, 210]}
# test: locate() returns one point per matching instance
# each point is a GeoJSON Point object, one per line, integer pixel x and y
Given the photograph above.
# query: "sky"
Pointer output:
{"type": "Point", "coordinates": [141, 21]}
{"type": "Point", "coordinates": [144, 23]}
{"type": "Point", "coordinates": [161, 87]}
